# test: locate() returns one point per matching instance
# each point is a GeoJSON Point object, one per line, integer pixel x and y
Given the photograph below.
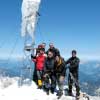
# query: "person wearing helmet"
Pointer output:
{"type": "Point", "coordinates": [40, 61]}
{"type": "Point", "coordinates": [73, 73]}
{"type": "Point", "coordinates": [38, 49]}
{"type": "Point", "coordinates": [33, 56]}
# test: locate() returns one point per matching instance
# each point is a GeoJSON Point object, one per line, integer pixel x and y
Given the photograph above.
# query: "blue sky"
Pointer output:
{"type": "Point", "coordinates": [70, 24]}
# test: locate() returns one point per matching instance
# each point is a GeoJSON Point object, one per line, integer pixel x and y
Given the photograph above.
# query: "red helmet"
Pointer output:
{"type": "Point", "coordinates": [40, 46]}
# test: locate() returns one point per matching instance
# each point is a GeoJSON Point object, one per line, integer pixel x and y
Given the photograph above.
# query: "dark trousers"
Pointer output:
{"type": "Point", "coordinates": [35, 75]}
{"type": "Point", "coordinates": [50, 82]}
{"type": "Point", "coordinates": [73, 78]}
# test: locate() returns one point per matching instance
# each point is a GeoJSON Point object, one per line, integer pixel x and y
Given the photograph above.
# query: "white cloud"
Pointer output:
{"type": "Point", "coordinates": [98, 65]}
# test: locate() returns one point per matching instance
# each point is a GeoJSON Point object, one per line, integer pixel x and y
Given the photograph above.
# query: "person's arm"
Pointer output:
{"type": "Point", "coordinates": [45, 66]}
{"type": "Point", "coordinates": [45, 55]}
{"type": "Point", "coordinates": [77, 61]}
{"type": "Point", "coordinates": [68, 61]}
{"type": "Point", "coordinates": [63, 68]}
{"type": "Point", "coordinates": [33, 58]}
{"type": "Point", "coordinates": [45, 69]}
{"type": "Point", "coordinates": [64, 71]}
{"type": "Point", "coordinates": [63, 74]}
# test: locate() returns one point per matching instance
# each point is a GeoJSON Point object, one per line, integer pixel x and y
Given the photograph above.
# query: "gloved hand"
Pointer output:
{"type": "Point", "coordinates": [33, 57]}
{"type": "Point", "coordinates": [62, 78]}
{"type": "Point", "coordinates": [45, 75]}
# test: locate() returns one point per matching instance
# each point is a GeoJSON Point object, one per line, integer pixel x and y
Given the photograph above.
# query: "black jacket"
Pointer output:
{"type": "Point", "coordinates": [49, 65]}
{"type": "Point", "coordinates": [55, 51]}
{"type": "Point", "coordinates": [73, 64]}
{"type": "Point", "coordinates": [60, 68]}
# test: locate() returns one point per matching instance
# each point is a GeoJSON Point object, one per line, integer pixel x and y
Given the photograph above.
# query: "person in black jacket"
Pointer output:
{"type": "Point", "coordinates": [60, 72]}
{"type": "Point", "coordinates": [49, 76]}
{"type": "Point", "coordinates": [73, 73]}
{"type": "Point", "coordinates": [54, 50]}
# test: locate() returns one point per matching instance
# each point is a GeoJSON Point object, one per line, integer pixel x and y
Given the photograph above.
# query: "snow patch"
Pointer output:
{"type": "Point", "coordinates": [29, 17]}
{"type": "Point", "coordinates": [10, 90]}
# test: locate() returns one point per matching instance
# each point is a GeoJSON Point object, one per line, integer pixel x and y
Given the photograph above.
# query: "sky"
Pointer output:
{"type": "Point", "coordinates": [69, 24]}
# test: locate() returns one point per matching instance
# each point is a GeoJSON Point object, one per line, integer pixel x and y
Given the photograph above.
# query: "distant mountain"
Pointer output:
{"type": "Point", "coordinates": [90, 76]}
{"type": "Point", "coordinates": [89, 73]}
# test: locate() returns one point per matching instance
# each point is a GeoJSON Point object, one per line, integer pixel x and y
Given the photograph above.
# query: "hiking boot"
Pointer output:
{"type": "Point", "coordinates": [77, 97]}
{"type": "Point", "coordinates": [60, 93]}
{"type": "Point", "coordinates": [52, 90]}
{"type": "Point", "coordinates": [39, 87]}
{"type": "Point", "coordinates": [77, 94]}
{"type": "Point", "coordinates": [47, 92]}
{"type": "Point", "coordinates": [39, 82]}
{"type": "Point", "coordinates": [70, 93]}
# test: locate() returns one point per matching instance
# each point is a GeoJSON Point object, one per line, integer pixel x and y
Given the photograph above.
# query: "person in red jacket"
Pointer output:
{"type": "Point", "coordinates": [36, 52]}
{"type": "Point", "coordinates": [40, 61]}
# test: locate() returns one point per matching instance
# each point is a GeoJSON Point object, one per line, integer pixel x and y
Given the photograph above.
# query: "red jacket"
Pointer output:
{"type": "Point", "coordinates": [40, 60]}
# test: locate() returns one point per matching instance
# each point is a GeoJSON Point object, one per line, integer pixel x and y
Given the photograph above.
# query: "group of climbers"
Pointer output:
{"type": "Point", "coordinates": [50, 70]}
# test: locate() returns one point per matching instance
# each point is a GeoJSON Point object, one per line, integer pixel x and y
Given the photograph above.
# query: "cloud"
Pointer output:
{"type": "Point", "coordinates": [89, 57]}
{"type": "Point", "coordinates": [98, 65]}
{"type": "Point", "coordinates": [83, 57]}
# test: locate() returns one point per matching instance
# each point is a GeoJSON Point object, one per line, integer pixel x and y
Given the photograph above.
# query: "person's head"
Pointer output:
{"type": "Point", "coordinates": [57, 58]}
{"type": "Point", "coordinates": [50, 54]}
{"type": "Point", "coordinates": [74, 52]}
{"type": "Point", "coordinates": [41, 51]}
{"type": "Point", "coordinates": [43, 45]}
{"type": "Point", "coordinates": [51, 45]}
{"type": "Point", "coordinates": [39, 46]}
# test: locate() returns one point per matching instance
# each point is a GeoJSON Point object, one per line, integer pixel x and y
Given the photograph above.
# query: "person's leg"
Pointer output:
{"type": "Point", "coordinates": [70, 83]}
{"type": "Point", "coordinates": [61, 80]}
{"type": "Point", "coordinates": [53, 83]}
{"type": "Point", "coordinates": [60, 85]}
{"type": "Point", "coordinates": [77, 84]}
{"type": "Point", "coordinates": [57, 83]}
{"type": "Point", "coordinates": [35, 75]}
{"type": "Point", "coordinates": [41, 75]}
{"type": "Point", "coordinates": [47, 84]}
{"type": "Point", "coordinates": [39, 79]}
